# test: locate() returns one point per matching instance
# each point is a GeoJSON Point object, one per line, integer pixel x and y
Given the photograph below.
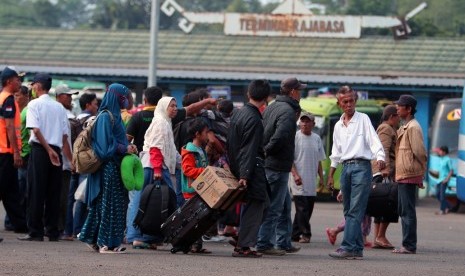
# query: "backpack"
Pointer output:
{"type": "Point", "coordinates": [84, 158]}
{"type": "Point", "coordinates": [76, 126]}
{"type": "Point", "coordinates": [179, 133]}
{"type": "Point", "coordinates": [157, 203]}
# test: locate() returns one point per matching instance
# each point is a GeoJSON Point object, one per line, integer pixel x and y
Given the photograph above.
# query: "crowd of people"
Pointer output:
{"type": "Point", "coordinates": [268, 144]}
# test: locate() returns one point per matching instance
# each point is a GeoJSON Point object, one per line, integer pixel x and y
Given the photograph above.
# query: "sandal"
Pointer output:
{"type": "Point", "coordinates": [143, 245]}
{"type": "Point", "coordinates": [116, 250]}
{"type": "Point", "coordinates": [403, 250]}
{"type": "Point", "coordinates": [200, 251]}
{"type": "Point", "coordinates": [246, 253]}
{"type": "Point", "coordinates": [381, 245]}
{"type": "Point", "coordinates": [93, 246]}
{"type": "Point", "coordinates": [331, 238]}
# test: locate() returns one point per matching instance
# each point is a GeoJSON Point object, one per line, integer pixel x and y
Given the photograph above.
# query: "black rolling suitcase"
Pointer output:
{"type": "Point", "coordinates": [187, 224]}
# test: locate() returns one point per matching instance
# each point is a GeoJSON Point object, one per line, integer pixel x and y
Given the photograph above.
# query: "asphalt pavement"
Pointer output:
{"type": "Point", "coordinates": [441, 251]}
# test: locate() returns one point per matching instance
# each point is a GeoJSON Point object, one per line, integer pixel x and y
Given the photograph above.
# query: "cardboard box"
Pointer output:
{"type": "Point", "coordinates": [217, 187]}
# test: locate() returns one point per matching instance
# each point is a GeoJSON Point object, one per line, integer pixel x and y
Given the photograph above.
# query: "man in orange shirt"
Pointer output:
{"type": "Point", "coordinates": [10, 149]}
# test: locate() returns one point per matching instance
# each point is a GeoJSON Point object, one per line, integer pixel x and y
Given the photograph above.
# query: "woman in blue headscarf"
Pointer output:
{"type": "Point", "coordinates": [106, 196]}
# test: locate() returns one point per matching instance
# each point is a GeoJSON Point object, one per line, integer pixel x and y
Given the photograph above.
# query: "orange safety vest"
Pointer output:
{"type": "Point", "coordinates": [5, 146]}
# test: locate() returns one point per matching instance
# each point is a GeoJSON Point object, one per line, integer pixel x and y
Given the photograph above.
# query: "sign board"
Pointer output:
{"type": "Point", "coordinates": [220, 92]}
{"type": "Point", "coordinates": [292, 25]}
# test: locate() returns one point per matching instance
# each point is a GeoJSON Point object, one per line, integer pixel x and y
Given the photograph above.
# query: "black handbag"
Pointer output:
{"type": "Point", "coordinates": [382, 201]}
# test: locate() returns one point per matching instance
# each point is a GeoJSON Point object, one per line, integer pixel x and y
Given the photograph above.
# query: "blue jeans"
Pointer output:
{"type": "Point", "coordinates": [76, 211]}
{"type": "Point", "coordinates": [355, 188]}
{"type": "Point", "coordinates": [132, 233]}
{"type": "Point", "coordinates": [408, 215]}
{"type": "Point", "coordinates": [179, 196]}
{"type": "Point", "coordinates": [277, 224]}
{"type": "Point", "coordinates": [441, 195]}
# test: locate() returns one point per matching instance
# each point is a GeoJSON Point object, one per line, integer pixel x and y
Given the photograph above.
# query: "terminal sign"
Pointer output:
{"type": "Point", "coordinates": [292, 25]}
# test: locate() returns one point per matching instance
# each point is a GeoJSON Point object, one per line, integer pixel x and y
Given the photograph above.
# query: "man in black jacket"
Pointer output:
{"type": "Point", "coordinates": [245, 152]}
{"type": "Point", "coordinates": [280, 127]}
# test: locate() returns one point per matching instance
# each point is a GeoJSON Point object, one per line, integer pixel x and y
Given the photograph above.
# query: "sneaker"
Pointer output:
{"type": "Point", "coordinates": [292, 249]}
{"type": "Point", "coordinates": [207, 238]}
{"type": "Point", "coordinates": [342, 254]}
{"type": "Point", "coordinates": [272, 251]}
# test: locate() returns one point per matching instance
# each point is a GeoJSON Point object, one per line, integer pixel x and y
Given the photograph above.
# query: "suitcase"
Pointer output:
{"type": "Point", "coordinates": [187, 224]}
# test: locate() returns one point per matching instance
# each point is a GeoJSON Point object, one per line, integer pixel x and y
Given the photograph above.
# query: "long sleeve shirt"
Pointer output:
{"type": "Point", "coordinates": [357, 140]}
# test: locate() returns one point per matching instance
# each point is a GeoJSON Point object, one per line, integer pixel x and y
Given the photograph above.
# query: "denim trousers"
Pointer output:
{"type": "Point", "coordinates": [132, 233]}
{"type": "Point", "coordinates": [76, 210]}
{"type": "Point", "coordinates": [355, 187]}
{"type": "Point", "coordinates": [277, 224]}
{"type": "Point", "coordinates": [441, 196]}
{"type": "Point", "coordinates": [408, 215]}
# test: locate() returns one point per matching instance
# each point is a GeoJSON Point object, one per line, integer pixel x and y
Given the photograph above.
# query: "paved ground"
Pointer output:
{"type": "Point", "coordinates": [441, 251]}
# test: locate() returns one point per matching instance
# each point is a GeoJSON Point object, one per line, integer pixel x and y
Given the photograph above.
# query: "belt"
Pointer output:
{"type": "Point", "coordinates": [354, 161]}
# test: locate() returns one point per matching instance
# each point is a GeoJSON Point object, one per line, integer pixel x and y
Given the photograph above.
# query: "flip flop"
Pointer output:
{"type": "Point", "coordinates": [403, 250]}
{"type": "Point", "coordinates": [331, 238]}
{"type": "Point", "coordinates": [380, 245]}
{"type": "Point", "coordinates": [200, 251]}
{"type": "Point", "coordinates": [144, 245]}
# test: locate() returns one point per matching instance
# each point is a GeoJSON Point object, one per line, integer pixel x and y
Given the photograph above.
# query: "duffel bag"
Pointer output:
{"type": "Point", "coordinates": [382, 201]}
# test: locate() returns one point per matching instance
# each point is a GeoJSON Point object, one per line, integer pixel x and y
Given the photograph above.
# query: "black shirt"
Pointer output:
{"type": "Point", "coordinates": [138, 125]}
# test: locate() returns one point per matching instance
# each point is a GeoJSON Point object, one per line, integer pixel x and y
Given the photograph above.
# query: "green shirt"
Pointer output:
{"type": "Point", "coordinates": [26, 148]}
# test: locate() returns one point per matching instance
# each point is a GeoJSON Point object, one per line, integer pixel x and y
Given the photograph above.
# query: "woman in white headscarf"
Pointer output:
{"type": "Point", "coordinates": [158, 157]}
{"type": "Point", "coordinates": [159, 140]}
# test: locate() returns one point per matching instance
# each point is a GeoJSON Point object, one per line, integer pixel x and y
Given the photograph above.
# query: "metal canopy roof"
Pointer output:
{"type": "Point", "coordinates": [370, 60]}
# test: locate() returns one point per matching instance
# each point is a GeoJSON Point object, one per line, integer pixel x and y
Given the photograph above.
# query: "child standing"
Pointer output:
{"type": "Point", "coordinates": [194, 161]}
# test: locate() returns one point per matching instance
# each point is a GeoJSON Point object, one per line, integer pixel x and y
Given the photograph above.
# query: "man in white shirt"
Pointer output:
{"type": "Point", "coordinates": [355, 144]}
{"type": "Point", "coordinates": [50, 130]}
{"type": "Point", "coordinates": [308, 154]}
{"type": "Point", "coordinates": [64, 97]}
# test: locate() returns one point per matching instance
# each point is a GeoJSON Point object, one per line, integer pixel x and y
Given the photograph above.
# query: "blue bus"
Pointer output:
{"type": "Point", "coordinates": [461, 156]}
{"type": "Point", "coordinates": [444, 132]}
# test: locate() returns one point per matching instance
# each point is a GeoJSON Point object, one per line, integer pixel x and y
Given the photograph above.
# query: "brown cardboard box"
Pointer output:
{"type": "Point", "coordinates": [217, 186]}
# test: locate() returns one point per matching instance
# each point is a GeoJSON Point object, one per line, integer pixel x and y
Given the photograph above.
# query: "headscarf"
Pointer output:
{"type": "Point", "coordinates": [160, 134]}
{"type": "Point", "coordinates": [113, 101]}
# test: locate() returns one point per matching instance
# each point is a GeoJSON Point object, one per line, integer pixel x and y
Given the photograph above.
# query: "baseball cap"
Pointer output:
{"type": "Point", "coordinates": [64, 89]}
{"type": "Point", "coordinates": [9, 72]}
{"type": "Point", "coordinates": [406, 100]}
{"type": "Point", "coordinates": [307, 114]}
{"type": "Point", "coordinates": [292, 83]}
{"type": "Point", "coordinates": [43, 79]}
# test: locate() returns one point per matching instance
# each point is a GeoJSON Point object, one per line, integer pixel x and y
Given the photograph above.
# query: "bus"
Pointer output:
{"type": "Point", "coordinates": [461, 156]}
{"type": "Point", "coordinates": [327, 113]}
{"type": "Point", "coordinates": [444, 131]}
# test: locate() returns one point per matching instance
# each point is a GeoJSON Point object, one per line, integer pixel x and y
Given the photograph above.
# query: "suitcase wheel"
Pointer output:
{"type": "Point", "coordinates": [173, 250]}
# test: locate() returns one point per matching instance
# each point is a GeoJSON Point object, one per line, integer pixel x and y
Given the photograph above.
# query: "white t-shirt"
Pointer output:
{"type": "Point", "coordinates": [308, 153]}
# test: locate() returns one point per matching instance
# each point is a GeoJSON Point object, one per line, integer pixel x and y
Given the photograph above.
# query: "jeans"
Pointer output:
{"type": "Point", "coordinates": [441, 195]}
{"type": "Point", "coordinates": [132, 233]}
{"type": "Point", "coordinates": [408, 215]}
{"type": "Point", "coordinates": [76, 211]}
{"type": "Point", "coordinates": [179, 196]}
{"type": "Point", "coordinates": [277, 223]}
{"type": "Point", "coordinates": [355, 187]}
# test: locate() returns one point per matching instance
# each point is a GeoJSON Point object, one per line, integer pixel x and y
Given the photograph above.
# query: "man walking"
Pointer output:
{"type": "Point", "coordinates": [280, 126]}
{"type": "Point", "coordinates": [10, 149]}
{"type": "Point", "coordinates": [355, 144]}
{"type": "Point", "coordinates": [411, 161]}
{"type": "Point", "coordinates": [308, 154]}
{"type": "Point", "coordinates": [50, 131]}
{"type": "Point", "coordinates": [245, 152]}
